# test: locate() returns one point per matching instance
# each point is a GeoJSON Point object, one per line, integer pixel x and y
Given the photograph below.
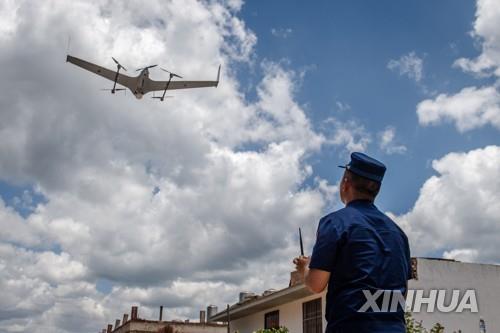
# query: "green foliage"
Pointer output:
{"type": "Point", "coordinates": [413, 326]}
{"type": "Point", "coordinates": [282, 329]}
{"type": "Point", "coordinates": [437, 328]}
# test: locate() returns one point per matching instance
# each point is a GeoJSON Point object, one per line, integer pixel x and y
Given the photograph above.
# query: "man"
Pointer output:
{"type": "Point", "coordinates": [359, 250]}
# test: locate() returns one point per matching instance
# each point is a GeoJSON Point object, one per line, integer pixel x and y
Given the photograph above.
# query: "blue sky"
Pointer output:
{"type": "Point", "coordinates": [345, 47]}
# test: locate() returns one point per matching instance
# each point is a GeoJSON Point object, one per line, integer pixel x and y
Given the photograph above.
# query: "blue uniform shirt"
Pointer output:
{"type": "Point", "coordinates": [363, 249]}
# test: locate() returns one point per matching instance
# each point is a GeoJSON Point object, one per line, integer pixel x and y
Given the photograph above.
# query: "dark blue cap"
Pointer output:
{"type": "Point", "coordinates": [365, 166]}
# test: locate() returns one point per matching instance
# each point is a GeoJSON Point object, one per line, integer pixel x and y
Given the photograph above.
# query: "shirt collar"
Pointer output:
{"type": "Point", "coordinates": [360, 202]}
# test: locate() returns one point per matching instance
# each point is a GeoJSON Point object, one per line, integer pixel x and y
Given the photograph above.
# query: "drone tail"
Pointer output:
{"type": "Point", "coordinates": [218, 77]}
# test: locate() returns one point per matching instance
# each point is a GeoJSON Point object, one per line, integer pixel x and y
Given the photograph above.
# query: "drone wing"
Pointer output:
{"type": "Point", "coordinates": [151, 85]}
{"type": "Point", "coordinates": [122, 79]}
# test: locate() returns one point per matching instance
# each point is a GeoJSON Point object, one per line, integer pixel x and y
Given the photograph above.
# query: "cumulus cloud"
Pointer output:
{"type": "Point", "coordinates": [487, 33]}
{"type": "Point", "coordinates": [469, 109]}
{"type": "Point", "coordinates": [350, 135]}
{"type": "Point", "coordinates": [472, 107]}
{"type": "Point", "coordinates": [457, 210]}
{"type": "Point", "coordinates": [387, 142]}
{"type": "Point", "coordinates": [409, 65]}
{"type": "Point", "coordinates": [164, 200]}
{"type": "Point", "coordinates": [467, 255]}
{"type": "Point", "coordinates": [35, 284]}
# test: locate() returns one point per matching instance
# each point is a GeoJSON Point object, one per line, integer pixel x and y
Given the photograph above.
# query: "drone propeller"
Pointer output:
{"type": "Point", "coordinates": [118, 64]}
{"type": "Point", "coordinates": [171, 74]}
{"type": "Point", "coordinates": [140, 69]}
{"type": "Point", "coordinates": [162, 97]}
{"type": "Point", "coordinates": [115, 90]}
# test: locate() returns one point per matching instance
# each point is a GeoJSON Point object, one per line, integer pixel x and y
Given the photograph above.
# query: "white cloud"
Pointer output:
{"type": "Point", "coordinates": [194, 195]}
{"type": "Point", "coordinates": [457, 210]}
{"type": "Point", "coordinates": [235, 4]}
{"type": "Point", "coordinates": [281, 32]}
{"type": "Point", "coordinates": [349, 135]}
{"type": "Point", "coordinates": [34, 284]}
{"type": "Point", "coordinates": [13, 229]}
{"type": "Point", "coordinates": [472, 107]}
{"type": "Point", "coordinates": [387, 143]}
{"type": "Point", "coordinates": [342, 107]}
{"type": "Point", "coordinates": [466, 255]}
{"type": "Point", "coordinates": [409, 65]}
{"type": "Point", "coordinates": [469, 109]}
{"type": "Point", "coordinates": [487, 33]}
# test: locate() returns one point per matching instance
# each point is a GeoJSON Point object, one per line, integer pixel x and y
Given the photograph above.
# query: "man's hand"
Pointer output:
{"type": "Point", "coordinates": [301, 264]}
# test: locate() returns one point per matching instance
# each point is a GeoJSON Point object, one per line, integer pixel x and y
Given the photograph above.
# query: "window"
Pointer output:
{"type": "Point", "coordinates": [312, 319]}
{"type": "Point", "coordinates": [272, 319]}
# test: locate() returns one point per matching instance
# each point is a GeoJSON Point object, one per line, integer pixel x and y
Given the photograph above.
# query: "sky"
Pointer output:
{"type": "Point", "coordinates": [107, 201]}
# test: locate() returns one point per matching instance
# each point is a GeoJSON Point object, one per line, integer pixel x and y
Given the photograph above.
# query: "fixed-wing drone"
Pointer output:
{"type": "Point", "coordinates": [141, 84]}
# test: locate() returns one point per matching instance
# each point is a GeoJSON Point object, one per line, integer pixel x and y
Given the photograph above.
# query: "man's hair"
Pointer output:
{"type": "Point", "coordinates": [364, 186]}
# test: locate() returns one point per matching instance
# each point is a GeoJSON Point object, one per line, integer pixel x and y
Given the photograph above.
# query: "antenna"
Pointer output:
{"type": "Point", "coordinates": [67, 46]}
{"type": "Point", "coordinates": [301, 244]}
{"type": "Point", "coordinates": [69, 43]}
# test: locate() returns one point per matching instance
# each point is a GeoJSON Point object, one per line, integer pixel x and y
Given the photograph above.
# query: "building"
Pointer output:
{"type": "Point", "coordinates": [296, 308]}
{"type": "Point", "coordinates": [138, 325]}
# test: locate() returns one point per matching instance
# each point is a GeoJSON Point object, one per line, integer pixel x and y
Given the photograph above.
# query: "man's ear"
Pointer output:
{"type": "Point", "coordinates": [342, 190]}
{"type": "Point", "coordinates": [343, 184]}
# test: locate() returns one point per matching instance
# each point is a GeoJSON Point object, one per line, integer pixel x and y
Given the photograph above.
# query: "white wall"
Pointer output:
{"type": "Point", "coordinates": [485, 279]}
{"type": "Point", "coordinates": [290, 317]}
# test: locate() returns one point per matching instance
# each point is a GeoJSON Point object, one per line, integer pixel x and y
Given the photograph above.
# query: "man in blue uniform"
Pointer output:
{"type": "Point", "coordinates": [359, 253]}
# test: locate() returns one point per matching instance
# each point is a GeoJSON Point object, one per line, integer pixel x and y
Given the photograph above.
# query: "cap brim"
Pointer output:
{"type": "Point", "coordinates": [343, 166]}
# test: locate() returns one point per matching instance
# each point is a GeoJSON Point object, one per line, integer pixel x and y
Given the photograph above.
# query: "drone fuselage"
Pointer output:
{"type": "Point", "coordinates": [139, 86]}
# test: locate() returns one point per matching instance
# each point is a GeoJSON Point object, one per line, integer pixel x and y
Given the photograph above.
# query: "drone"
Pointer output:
{"type": "Point", "coordinates": [140, 85]}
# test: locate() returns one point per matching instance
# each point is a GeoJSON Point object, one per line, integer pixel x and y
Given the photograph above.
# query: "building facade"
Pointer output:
{"type": "Point", "coordinates": [139, 325]}
{"type": "Point", "coordinates": [154, 326]}
{"type": "Point", "coordinates": [440, 289]}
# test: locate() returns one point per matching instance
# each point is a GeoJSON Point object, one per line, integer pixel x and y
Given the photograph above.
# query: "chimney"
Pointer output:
{"type": "Point", "coordinates": [110, 328]}
{"type": "Point", "coordinates": [161, 312]}
{"type": "Point", "coordinates": [117, 323]}
{"type": "Point", "coordinates": [211, 311]}
{"type": "Point", "coordinates": [202, 316]}
{"type": "Point", "coordinates": [125, 318]}
{"type": "Point", "coordinates": [133, 314]}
